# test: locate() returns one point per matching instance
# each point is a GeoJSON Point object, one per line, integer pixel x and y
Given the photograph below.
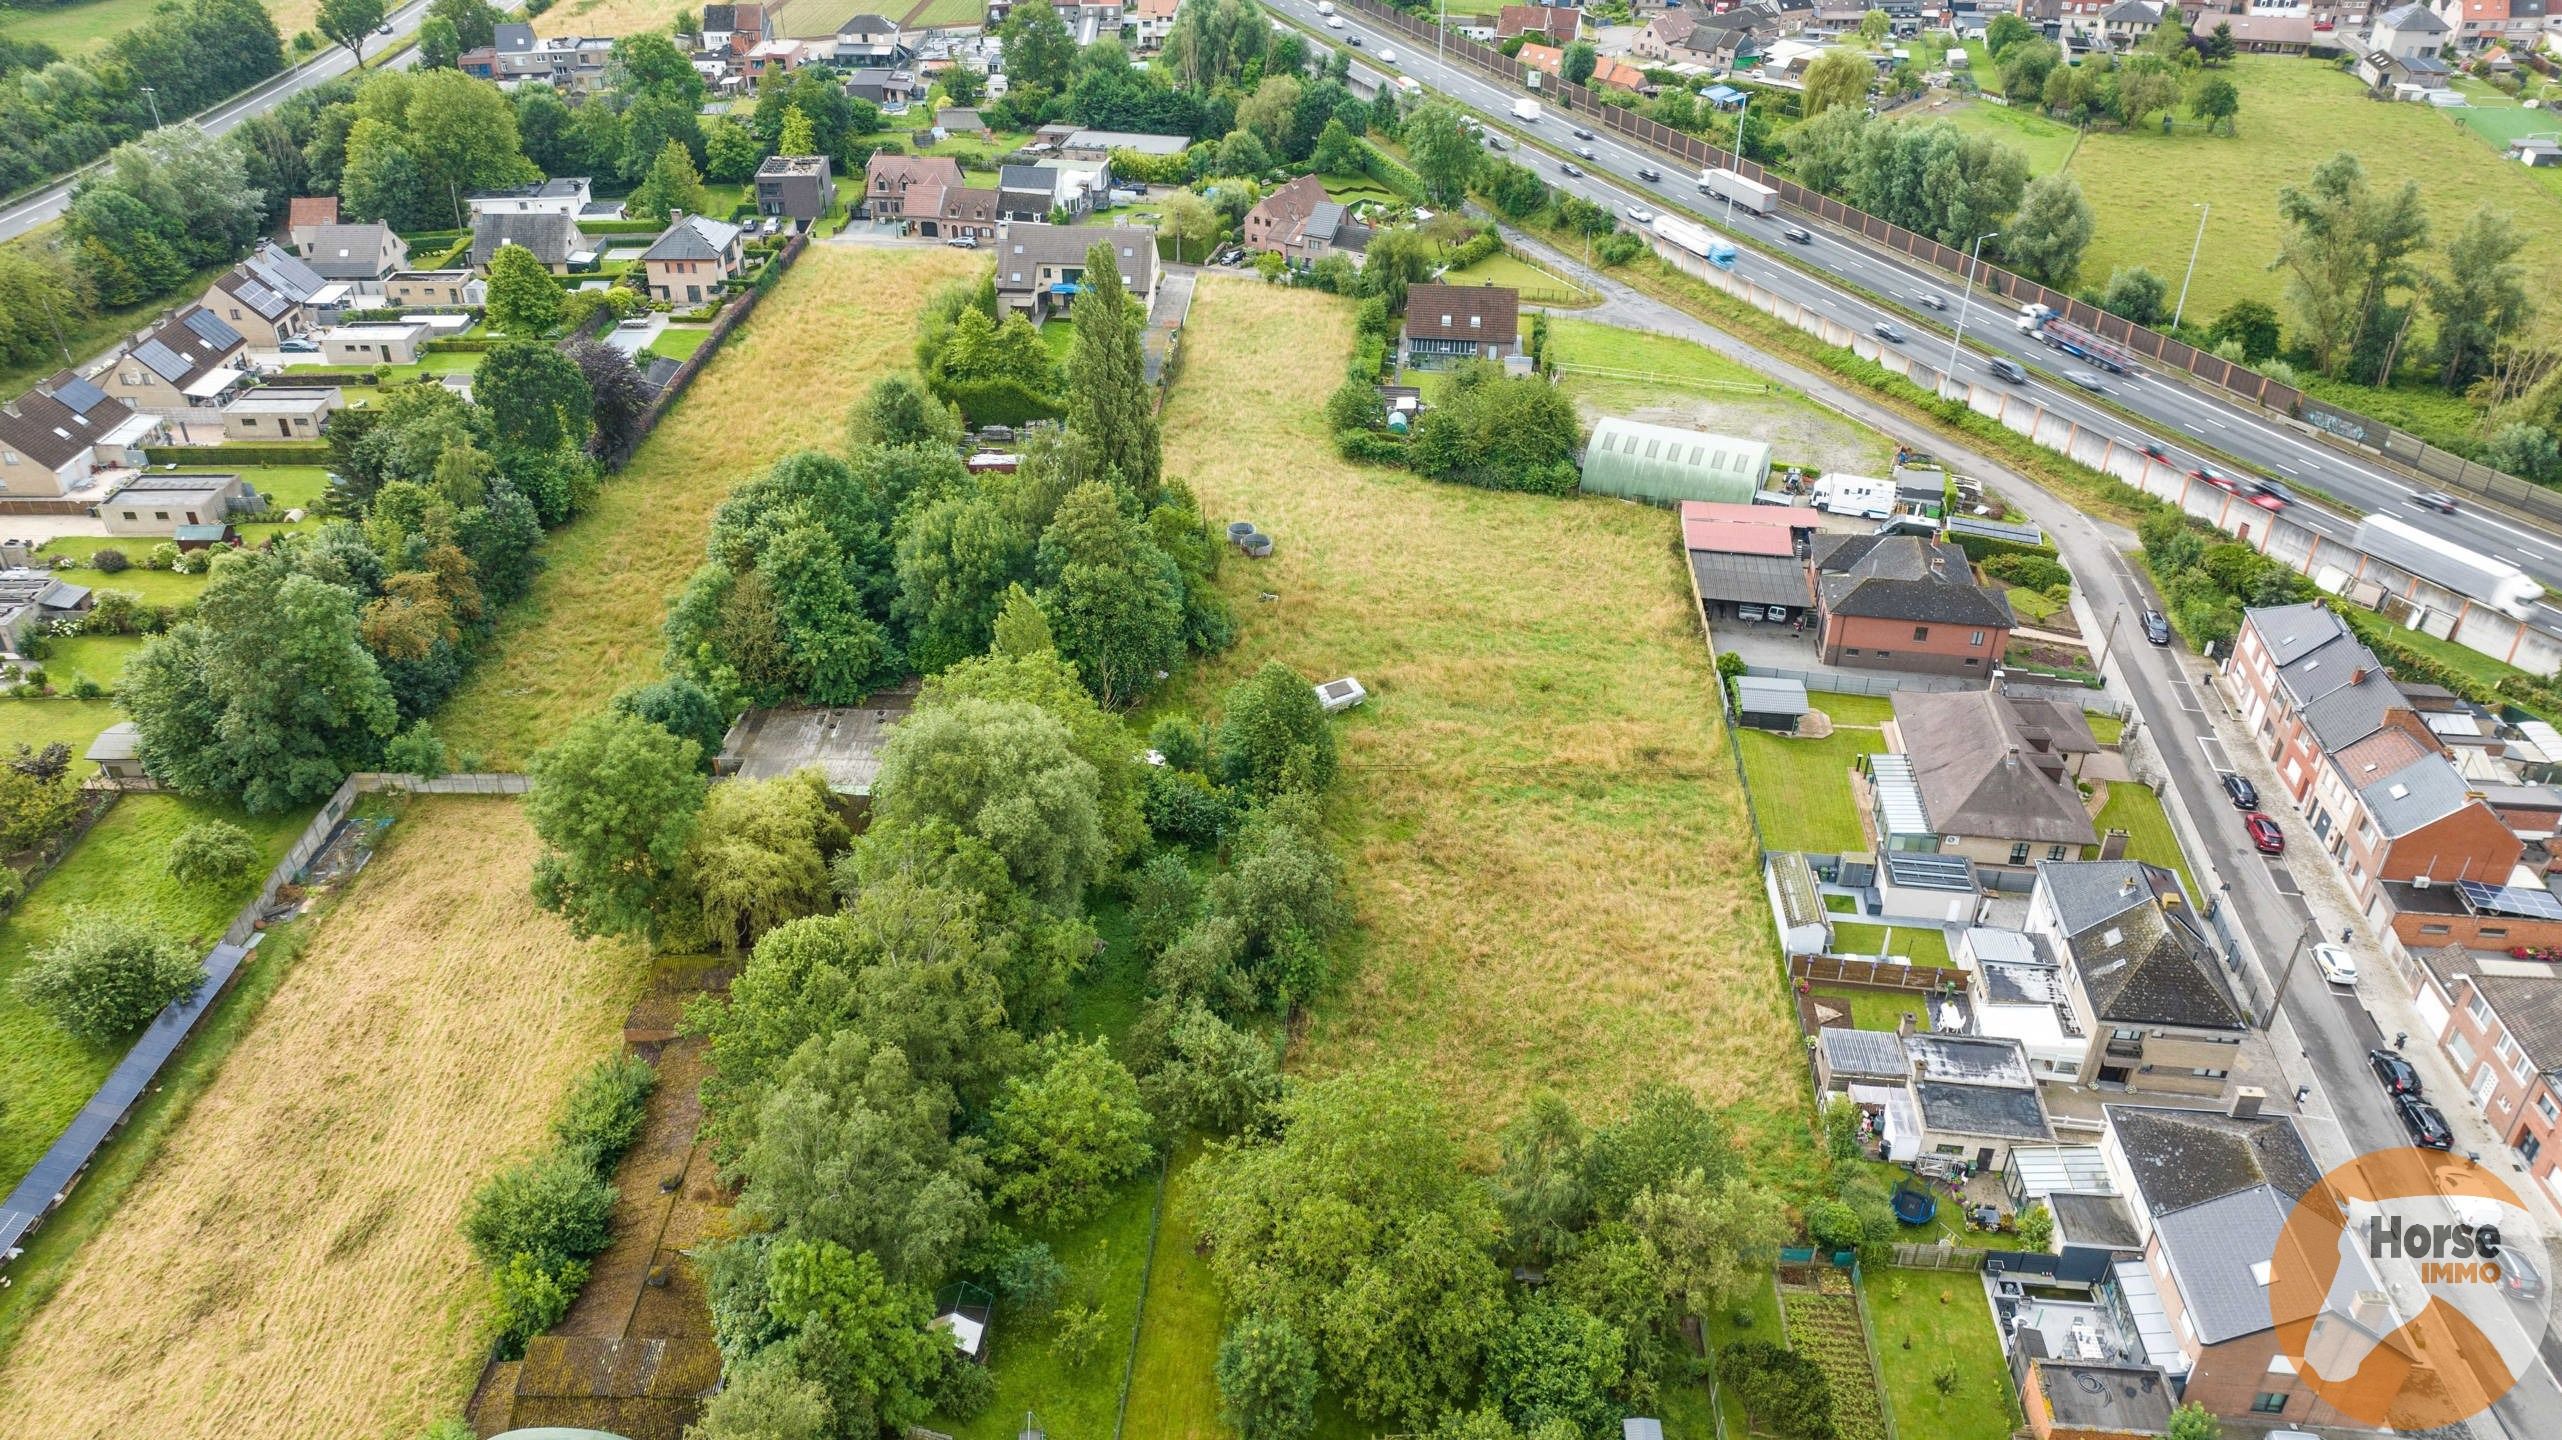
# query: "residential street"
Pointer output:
{"type": "Point", "coordinates": [2322, 1033]}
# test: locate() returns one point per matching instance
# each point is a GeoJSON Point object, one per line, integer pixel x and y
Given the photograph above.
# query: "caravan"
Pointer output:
{"type": "Point", "coordinates": [1859, 495]}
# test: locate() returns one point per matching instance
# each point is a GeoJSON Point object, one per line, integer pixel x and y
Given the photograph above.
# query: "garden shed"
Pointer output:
{"type": "Point", "coordinates": [1661, 464]}
{"type": "Point", "coordinates": [1767, 704]}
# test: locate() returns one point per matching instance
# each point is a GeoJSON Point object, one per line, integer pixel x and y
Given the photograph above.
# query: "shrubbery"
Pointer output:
{"type": "Point", "coordinates": [535, 1223]}
{"type": "Point", "coordinates": [107, 976]}
{"type": "Point", "coordinates": [213, 852]}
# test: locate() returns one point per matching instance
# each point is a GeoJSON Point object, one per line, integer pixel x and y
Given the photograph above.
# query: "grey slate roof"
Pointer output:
{"type": "Point", "coordinates": [552, 238]}
{"type": "Point", "coordinates": [2291, 630]}
{"type": "Point", "coordinates": [513, 38]}
{"type": "Point", "coordinates": [696, 237]}
{"type": "Point", "coordinates": [2424, 791]}
{"type": "Point", "coordinates": [2181, 1158]}
{"type": "Point", "coordinates": [1904, 577]}
{"type": "Point", "coordinates": [2353, 710]}
{"type": "Point", "coordinates": [1992, 1111]}
{"type": "Point", "coordinates": [353, 252]}
{"type": "Point", "coordinates": [1872, 1054]}
{"type": "Point", "coordinates": [1979, 776]}
{"type": "Point", "coordinates": [1761, 694]}
{"type": "Point", "coordinates": [2417, 19]}
{"type": "Point", "coordinates": [2095, 1220]}
{"type": "Point", "coordinates": [2212, 1247]}
{"type": "Point", "coordinates": [2086, 892]}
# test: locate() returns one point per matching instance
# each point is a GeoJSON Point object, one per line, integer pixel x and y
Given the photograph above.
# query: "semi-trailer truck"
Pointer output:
{"type": "Point", "coordinates": [1526, 111]}
{"type": "Point", "coordinates": [1696, 240]}
{"type": "Point", "coordinates": [2491, 581]}
{"type": "Point", "coordinates": [1746, 194]}
{"type": "Point", "coordinates": [2073, 340]}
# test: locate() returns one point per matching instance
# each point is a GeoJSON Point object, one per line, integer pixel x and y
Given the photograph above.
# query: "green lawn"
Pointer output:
{"type": "Point", "coordinates": [1801, 788]}
{"type": "Point", "coordinates": [1537, 286]}
{"type": "Point", "coordinates": [1947, 1224]}
{"type": "Point", "coordinates": [1754, 1317]}
{"type": "Point", "coordinates": [2295, 112]}
{"type": "Point", "coordinates": [100, 657]}
{"type": "Point", "coordinates": [2138, 811]}
{"type": "Point", "coordinates": [1348, 188]}
{"type": "Point", "coordinates": [1872, 1009]}
{"type": "Point", "coordinates": [77, 29]}
{"type": "Point", "coordinates": [1662, 359]}
{"type": "Point", "coordinates": [2464, 660]}
{"type": "Point", "coordinates": [45, 1075]}
{"type": "Point", "coordinates": [1932, 1324]}
{"type": "Point", "coordinates": [1922, 945]}
{"type": "Point", "coordinates": [679, 342]}
{"type": "Point", "coordinates": [1103, 1257]}
{"type": "Point", "coordinates": [2032, 605]}
{"type": "Point", "coordinates": [158, 587]}
{"type": "Point", "coordinates": [1854, 709]}
{"type": "Point", "coordinates": [1836, 903]}
{"type": "Point", "coordinates": [2105, 728]}
{"type": "Point", "coordinates": [38, 723]}
{"type": "Point", "coordinates": [1174, 1395]}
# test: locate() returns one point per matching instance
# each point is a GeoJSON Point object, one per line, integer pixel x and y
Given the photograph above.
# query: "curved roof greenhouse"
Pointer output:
{"type": "Point", "coordinates": [1658, 463]}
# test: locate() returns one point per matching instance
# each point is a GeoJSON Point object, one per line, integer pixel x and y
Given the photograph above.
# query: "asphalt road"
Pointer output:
{"type": "Point", "coordinates": [2177, 413]}
{"type": "Point", "coordinates": [29, 211]}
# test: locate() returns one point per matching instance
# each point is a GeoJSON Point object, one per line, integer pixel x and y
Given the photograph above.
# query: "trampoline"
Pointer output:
{"type": "Point", "coordinates": [1915, 1207]}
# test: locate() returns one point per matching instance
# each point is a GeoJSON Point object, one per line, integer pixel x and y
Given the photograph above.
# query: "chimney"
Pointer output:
{"type": "Point", "coordinates": [1904, 1025]}
{"type": "Point", "coordinates": [2358, 675]}
{"type": "Point", "coordinates": [2246, 1101]}
{"type": "Point", "coordinates": [2126, 887]}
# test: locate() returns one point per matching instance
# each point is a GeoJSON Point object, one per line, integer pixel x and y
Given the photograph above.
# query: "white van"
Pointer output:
{"type": "Point", "coordinates": [1387, 57]}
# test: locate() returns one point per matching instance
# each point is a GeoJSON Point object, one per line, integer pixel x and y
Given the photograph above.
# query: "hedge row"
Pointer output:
{"type": "Point", "coordinates": [279, 452]}
{"type": "Point", "coordinates": [1980, 548]}
{"type": "Point", "coordinates": [999, 402]}
{"type": "Point", "coordinates": [1392, 173]}
{"type": "Point", "coordinates": [463, 344]}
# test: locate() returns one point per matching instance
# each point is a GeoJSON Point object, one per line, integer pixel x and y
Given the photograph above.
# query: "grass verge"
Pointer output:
{"type": "Point", "coordinates": [1921, 944]}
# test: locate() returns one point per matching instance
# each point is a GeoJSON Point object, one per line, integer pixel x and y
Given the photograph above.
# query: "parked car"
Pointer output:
{"type": "Point", "coordinates": [2336, 964]}
{"type": "Point", "coordinates": [2007, 370]}
{"type": "Point", "coordinates": [1931, 301]}
{"type": "Point", "coordinates": [637, 322]}
{"type": "Point", "coordinates": [2243, 794]}
{"type": "Point", "coordinates": [2518, 1275]}
{"type": "Point", "coordinates": [963, 242]}
{"type": "Point", "coordinates": [2428, 1128]}
{"type": "Point", "coordinates": [1567, 167]}
{"type": "Point", "coordinates": [299, 345]}
{"type": "Point", "coordinates": [2437, 500]}
{"type": "Point", "coordinates": [2265, 836]}
{"type": "Point", "coordinates": [1649, 174]}
{"type": "Point", "coordinates": [1582, 134]}
{"type": "Point", "coordinates": [2089, 380]}
{"type": "Point", "coordinates": [1797, 235]}
{"type": "Point", "coordinates": [2156, 629]}
{"type": "Point", "coordinates": [2400, 1076]}
{"type": "Point", "coordinates": [1885, 330]}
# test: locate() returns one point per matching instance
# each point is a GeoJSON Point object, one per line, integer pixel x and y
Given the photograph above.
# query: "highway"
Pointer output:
{"type": "Point", "coordinates": [31, 210]}
{"type": "Point", "coordinates": [2179, 415]}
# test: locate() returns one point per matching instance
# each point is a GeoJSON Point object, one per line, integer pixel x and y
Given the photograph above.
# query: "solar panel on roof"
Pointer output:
{"type": "Point", "coordinates": [2527, 902]}
{"type": "Point", "coordinates": [259, 298]}
{"type": "Point", "coordinates": [161, 360]}
{"type": "Point", "coordinates": [210, 328]}
{"type": "Point", "coordinates": [79, 396]}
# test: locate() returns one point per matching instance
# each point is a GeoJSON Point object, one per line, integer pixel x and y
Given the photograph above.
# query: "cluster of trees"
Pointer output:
{"type": "Point", "coordinates": [57, 115]}
{"type": "Point", "coordinates": [535, 1223]}
{"type": "Point", "coordinates": [2207, 578]}
{"type": "Point", "coordinates": [2172, 66]}
{"type": "Point", "coordinates": [38, 806]}
{"type": "Point", "coordinates": [1358, 1257]}
{"type": "Point", "coordinates": [325, 652]}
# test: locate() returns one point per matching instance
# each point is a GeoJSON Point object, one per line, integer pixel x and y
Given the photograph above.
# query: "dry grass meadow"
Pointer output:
{"type": "Point", "coordinates": [841, 318]}
{"type": "Point", "coordinates": [291, 1267]}
{"type": "Point", "coordinates": [1555, 881]}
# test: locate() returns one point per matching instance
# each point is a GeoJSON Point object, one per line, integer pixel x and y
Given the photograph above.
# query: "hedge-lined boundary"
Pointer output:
{"type": "Point", "coordinates": [281, 452]}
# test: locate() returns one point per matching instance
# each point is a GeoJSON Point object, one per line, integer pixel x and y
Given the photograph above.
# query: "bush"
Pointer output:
{"type": "Point", "coordinates": [1619, 247]}
{"type": "Point", "coordinates": [2034, 571]}
{"type": "Point", "coordinates": [13, 888]}
{"type": "Point", "coordinates": [415, 751]}
{"type": "Point", "coordinates": [554, 1207]}
{"type": "Point", "coordinates": [213, 852]}
{"type": "Point", "coordinates": [107, 976]}
{"type": "Point", "coordinates": [1980, 548]}
{"type": "Point", "coordinates": [1001, 401]}
{"type": "Point", "coordinates": [1183, 807]}
{"type": "Point", "coordinates": [1371, 447]}
{"type": "Point", "coordinates": [111, 561]}
{"type": "Point", "coordinates": [532, 1298]}
{"type": "Point", "coordinates": [274, 452]}
{"type": "Point", "coordinates": [606, 1110]}
{"type": "Point", "coordinates": [162, 556]}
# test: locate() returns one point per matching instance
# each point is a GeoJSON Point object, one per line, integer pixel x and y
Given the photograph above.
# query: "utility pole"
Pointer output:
{"type": "Point", "coordinates": [1966, 297]}
{"type": "Point", "coordinates": [2205, 209]}
{"type": "Point", "coordinates": [1742, 113]}
{"type": "Point", "coordinates": [2302, 942]}
{"type": "Point", "coordinates": [153, 95]}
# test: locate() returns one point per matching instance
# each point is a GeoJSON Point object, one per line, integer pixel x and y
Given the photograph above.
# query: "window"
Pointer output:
{"type": "Point", "coordinates": [2269, 1402]}
{"type": "Point", "coordinates": [2544, 1106]}
{"type": "Point", "coordinates": [1921, 632]}
{"type": "Point", "coordinates": [2019, 853]}
{"type": "Point", "coordinates": [159, 514]}
{"type": "Point", "coordinates": [2054, 852]}
{"type": "Point", "coordinates": [2477, 1007]}
{"type": "Point", "coordinates": [2433, 930]}
{"type": "Point", "coordinates": [1978, 638]}
{"type": "Point", "coordinates": [2204, 1073]}
{"type": "Point", "coordinates": [1971, 660]}
{"type": "Point", "coordinates": [131, 516]}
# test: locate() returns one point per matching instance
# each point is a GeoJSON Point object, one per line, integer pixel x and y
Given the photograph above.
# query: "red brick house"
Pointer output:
{"type": "Point", "coordinates": [1900, 602]}
{"type": "Point", "coordinates": [1554, 24]}
{"type": "Point", "coordinates": [2499, 1020]}
{"type": "Point", "coordinates": [887, 176]}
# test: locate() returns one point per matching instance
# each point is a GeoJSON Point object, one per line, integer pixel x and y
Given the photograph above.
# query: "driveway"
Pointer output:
{"type": "Point", "coordinates": [632, 339]}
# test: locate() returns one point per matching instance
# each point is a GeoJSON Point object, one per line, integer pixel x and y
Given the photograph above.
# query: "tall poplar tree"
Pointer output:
{"type": "Point", "coordinates": [1107, 385]}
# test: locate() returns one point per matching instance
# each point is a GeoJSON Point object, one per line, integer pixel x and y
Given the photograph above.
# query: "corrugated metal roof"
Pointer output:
{"type": "Point", "coordinates": [1761, 694]}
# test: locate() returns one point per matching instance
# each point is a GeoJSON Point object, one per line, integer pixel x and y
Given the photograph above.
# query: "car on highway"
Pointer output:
{"type": "Point", "coordinates": [1582, 134]}
{"type": "Point", "coordinates": [2089, 380]}
{"type": "Point", "coordinates": [2266, 494]}
{"type": "Point", "coordinates": [2437, 500]}
{"type": "Point", "coordinates": [1353, 41]}
{"type": "Point", "coordinates": [2266, 838]}
{"type": "Point", "coordinates": [2400, 1076]}
{"type": "Point", "coordinates": [299, 345]}
{"type": "Point", "coordinates": [1567, 167]}
{"type": "Point", "coordinates": [1649, 174]}
{"type": "Point", "coordinates": [2007, 369]}
{"type": "Point", "coordinates": [2208, 474]}
{"type": "Point", "coordinates": [2243, 794]}
{"type": "Point", "coordinates": [1334, 22]}
{"type": "Point", "coordinates": [1639, 215]}
{"type": "Point", "coordinates": [1494, 141]}
{"type": "Point", "coordinates": [2428, 1128]}
{"type": "Point", "coordinates": [2335, 962]}
{"type": "Point", "coordinates": [2153, 450]}
{"type": "Point", "coordinates": [2156, 629]}
{"type": "Point", "coordinates": [1586, 152]}
{"type": "Point", "coordinates": [1387, 57]}
{"type": "Point", "coordinates": [1929, 301]}
{"type": "Point", "coordinates": [1797, 235]}
{"type": "Point", "coordinates": [1885, 330]}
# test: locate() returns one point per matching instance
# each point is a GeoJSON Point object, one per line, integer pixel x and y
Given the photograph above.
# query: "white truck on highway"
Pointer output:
{"type": "Point", "coordinates": [1526, 111]}
{"type": "Point", "coordinates": [1325, 7]}
{"type": "Point", "coordinates": [1746, 194]}
{"type": "Point", "coordinates": [1696, 240]}
{"type": "Point", "coordinates": [2466, 571]}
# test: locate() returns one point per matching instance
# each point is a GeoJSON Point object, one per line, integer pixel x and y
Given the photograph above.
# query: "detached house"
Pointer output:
{"type": "Point", "coordinates": [887, 176]}
{"type": "Point", "coordinates": [2143, 984]}
{"type": "Point", "coordinates": [802, 187]}
{"type": "Point", "coordinates": [1040, 269]}
{"type": "Point", "coordinates": [1901, 602]}
{"type": "Point", "coordinates": [951, 212]}
{"type": "Point", "coordinates": [1446, 324]}
{"type": "Point", "coordinates": [191, 361]}
{"type": "Point", "coordinates": [554, 239]}
{"type": "Point", "coordinates": [305, 215]}
{"type": "Point", "coordinates": [866, 40]}
{"type": "Point", "coordinates": [687, 264]}
{"type": "Point", "coordinates": [54, 437]}
{"type": "Point", "coordinates": [1301, 224]}
{"type": "Point", "coordinates": [361, 256]}
{"type": "Point", "coordinates": [1554, 24]}
{"type": "Point", "coordinates": [270, 296]}
{"type": "Point", "coordinates": [1998, 775]}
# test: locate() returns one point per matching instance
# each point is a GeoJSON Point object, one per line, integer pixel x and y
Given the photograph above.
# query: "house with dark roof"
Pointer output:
{"type": "Point", "coordinates": [190, 361]}
{"type": "Point", "coordinates": [2498, 1020]}
{"type": "Point", "coordinates": [687, 263]}
{"type": "Point", "coordinates": [887, 86]}
{"type": "Point", "coordinates": [952, 212]}
{"type": "Point", "coordinates": [554, 238]}
{"type": "Point", "coordinates": [1960, 1101]}
{"type": "Point", "coordinates": [802, 187]}
{"type": "Point", "coordinates": [1302, 225]}
{"type": "Point", "coordinates": [359, 255]}
{"type": "Point", "coordinates": [31, 598]}
{"type": "Point", "coordinates": [567, 196]}
{"type": "Point", "coordinates": [54, 437]}
{"type": "Point", "coordinates": [1040, 268]}
{"type": "Point", "coordinates": [1446, 324]}
{"type": "Point", "coordinates": [271, 296]}
{"type": "Point", "coordinates": [1555, 24]}
{"type": "Point", "coordinates": [2145, 986]}
{"type": "Point", "coordinates": [887, 176]}
{"type": "Point", "coordinates": [1904, 602]}
{"type": "Point", "coordinates": [2306, 686]}
{"type": "Point", "coordinates": [2090, 1400]}
{"type": "Point", "coordinates": [1998, 774]}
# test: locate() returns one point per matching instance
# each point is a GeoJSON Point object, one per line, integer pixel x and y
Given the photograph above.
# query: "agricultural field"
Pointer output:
{"type": "Point", "coordinates": [1549, 860]}
{"type": "Point", "coordinates": [291, 1265]}
{"type": "Point", "coordinates": [78, 28]}
{"type": "Point", "coordinates": [925, 14]}
{"type": "Point", "coordinates": [1666, 381]}
{"type": "Point", "coordinates": [46, 1075]}
{"type": "Point", "coordinates": [837, 321]}
{"type": "Point", "coordinates": [2295, 112]}
{"type": "Point", "coordinates": [612, 17]}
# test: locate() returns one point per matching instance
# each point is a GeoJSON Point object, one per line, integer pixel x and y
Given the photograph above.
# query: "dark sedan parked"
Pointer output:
{"type": "Point", "coordinates": [2156, 629]}
{"type": "Point", "coordinates": [2400, 1076]}
{"type": "Point", "coordinates": [2243, 794]}
{"type": "Point", "coordinates": [2428, 1128]}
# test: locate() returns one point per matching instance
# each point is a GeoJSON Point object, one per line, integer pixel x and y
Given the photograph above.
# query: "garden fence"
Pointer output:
{"type": "Point", "coordinates": [2338, 425]}
{"type": "Point", "coordinates": [1940, 1256]}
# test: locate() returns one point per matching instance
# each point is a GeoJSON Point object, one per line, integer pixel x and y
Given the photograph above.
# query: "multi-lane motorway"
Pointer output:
{"type": "Point", "coordinates": [1860, 287]}
{"type": "Point", "coordinates": [31, 210]}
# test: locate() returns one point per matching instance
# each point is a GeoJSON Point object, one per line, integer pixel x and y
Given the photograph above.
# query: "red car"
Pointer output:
{"type": "Point", "coordinates": [2267, 494]}
{"type": "Point", "coordinates": [2220, 482]}
{"type": "Point", "coordinates": [2264, 833]}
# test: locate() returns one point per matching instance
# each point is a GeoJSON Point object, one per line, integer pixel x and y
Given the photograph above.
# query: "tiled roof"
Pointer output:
{"type": "Point", "coordinates": [304, 210]}
{"type": "Point", "coordinates": [2426, 790]}
{"type": "Point", "coordinates": [2352, 710]}
{"type": "Point", "coordinates": [1979, 775]}
{"type": "Point", "coordinates": [1482, 313]}
{"type": "Point", "coordinates": [53, 423]}
{"type": "Point", "coordinates": [187, 347]}
{"type": "Point", "coordinates": [2218, 1250]}
{"type": "Point", "coordinates": [2146, 967]}
{"type": "Point", "coordinates": [2181, 1158]}
{"type": "Point", "coordinates": [2086, 892]}
{"type": "Point", "coordinates": [1904, 577]}
{"type": "Point", "coordinates": [552, 238]}
{"type": "Point", "coordinates": [696, 237]}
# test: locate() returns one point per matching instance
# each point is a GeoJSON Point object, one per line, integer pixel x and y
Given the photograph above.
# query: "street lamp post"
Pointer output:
{"type": "Point", "coordinates": [1742, 113]}
{"type": "Point", "coordinates": [153, 96]}
{"type": "Point", "coordinates": [1966, 297]}
{"type": "Point", "coordinates": [2204, 209]}
{"type": "Point", "coordinates": [2302, 942]}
